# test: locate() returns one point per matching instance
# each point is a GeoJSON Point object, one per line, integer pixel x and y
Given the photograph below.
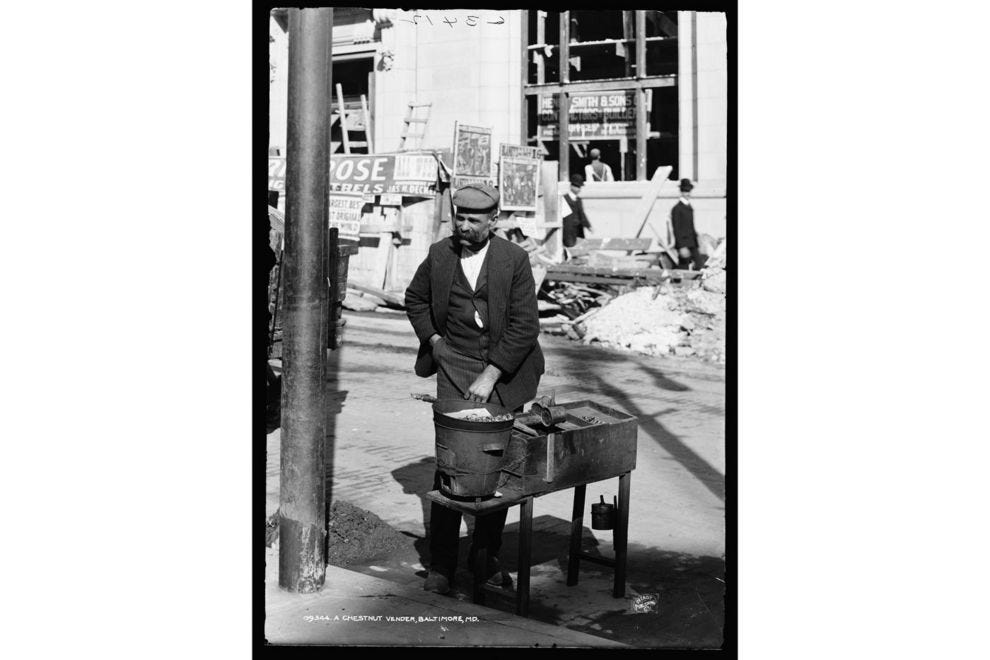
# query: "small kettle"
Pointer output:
{"type": "Point", "coordinates": [603, 515]}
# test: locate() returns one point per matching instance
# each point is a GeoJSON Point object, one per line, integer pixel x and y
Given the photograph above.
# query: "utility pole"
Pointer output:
{"type": "Point", "coordinates": [302, 504]}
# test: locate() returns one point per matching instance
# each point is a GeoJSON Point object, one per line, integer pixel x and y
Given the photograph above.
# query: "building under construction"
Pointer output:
{"type": "Point", "coordinates": [647, 88]}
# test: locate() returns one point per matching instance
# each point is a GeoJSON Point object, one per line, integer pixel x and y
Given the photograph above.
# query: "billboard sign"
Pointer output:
{"type": "Point", "coordinates": [593, 114]}
{"type": "Point", "coordinates": [414, 175]}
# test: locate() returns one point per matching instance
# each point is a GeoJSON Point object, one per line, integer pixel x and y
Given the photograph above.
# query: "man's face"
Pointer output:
{"type": "Point", "coordinates": [472, 229]}
{"type": "Point", "coordinates": [686, 194]}
{"type": "Point", "coordinates": [576, 190]}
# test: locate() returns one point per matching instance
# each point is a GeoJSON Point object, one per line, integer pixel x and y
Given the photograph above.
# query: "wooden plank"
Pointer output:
{"type": "Point", "coordinates": [620, 276]}
{"type": "Point", "coordinates": [391, 272]}
{"type": "Point", "coordinates": [620, 281]}
{"type": "Point", "coordinates": [343, 118]}
{"type": "Point", "coordinates": [563, 107]}
{"type": "Point", "coordinates": [565, 47]}
{"type": "Point", "coordinates": [649, 198]}
{"type": "Point", "coordinates": [567, 269]}
{"type": "Point", "coordinates": [524, 72]}
{"type": "Point", "coordinates": [392, 299]}
{"type": "Point", "coordinates": [640, 97]}
{"type": "Point", "coordinates": [590, 279]}
{"type": "Point", "coordinates": [615, 85]}
{"type": "Point", "coordinates": [367, 124]}
{"type": "Point", "coordinates": [586, 246]}
{"type": "Point", "coordinates": [638, 244]}
{"type": "Point", "coordinates": [371, 109]}
{"type": "Point", "coordinates": [539, 274]}
{"type": "Point", "coordinates": [379, 227]}
{"type": "Point", "coordinates": [376, 240]}
{"type": "Point", "coordinates": [549, 173]}
{"type": "Point", "coordinates": [619, 244]}
{"type": "Point", "coordinates": [380, 264]}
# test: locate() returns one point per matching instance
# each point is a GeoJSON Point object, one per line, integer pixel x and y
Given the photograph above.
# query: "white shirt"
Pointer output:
{"type": "Point", "coordinates": [471, 263]}
{"type": "Point", "coordinates": [589, 173]}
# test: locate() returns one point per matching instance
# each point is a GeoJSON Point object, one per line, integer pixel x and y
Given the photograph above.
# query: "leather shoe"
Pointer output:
{"type": "Point", "coordinates": [437, 582]}
{"type": "Point", "coordinates": [496, 576]}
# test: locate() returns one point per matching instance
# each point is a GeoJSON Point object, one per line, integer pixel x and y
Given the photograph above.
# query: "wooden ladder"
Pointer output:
{"type": "Point", "coordinates": [346, 124]}
{"type": "Point", "coordinates": [410, 119]}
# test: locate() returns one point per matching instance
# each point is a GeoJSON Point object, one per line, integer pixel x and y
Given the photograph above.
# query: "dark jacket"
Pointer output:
{"type": "Point", "coordinates": [682, 219]}
{"type": "Point", "coordinates": [575, 222]}
{"type": "Point", "coordinates": [513, 317]}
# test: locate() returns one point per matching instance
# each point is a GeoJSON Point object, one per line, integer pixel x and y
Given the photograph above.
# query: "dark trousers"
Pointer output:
{"type": "Point", "coordinates": [454, 377]}
{"type": "Point", "coordinates": [696, 258]}
{"type": "Point", "coordinates": [445, 530]}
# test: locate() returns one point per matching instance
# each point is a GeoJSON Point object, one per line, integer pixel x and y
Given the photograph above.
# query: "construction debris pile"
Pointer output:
{"type": "Point", "coordinates": [686, 319]}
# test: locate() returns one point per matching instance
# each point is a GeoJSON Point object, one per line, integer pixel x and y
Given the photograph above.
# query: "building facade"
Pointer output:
{"type": "Point", "coordinates": [646, 88]}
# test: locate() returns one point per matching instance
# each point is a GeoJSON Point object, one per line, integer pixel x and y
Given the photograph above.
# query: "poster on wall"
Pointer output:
{"type": "Point", "coordinates": [420, 168]}
{"type": "Point", "coordinates": [516, 151]}
{"type": "Point", "coordinates": [345, 214]}
{"type": "Point", "coordinates": [276, 173]}
{"type": "Point", "coordinates": [399, 174]}
{"type": "Point", "coordinates": [461, 181]}
{"type": "Point", "coordinates": [518, 183]}
{"type": "Point", "coordinates": [472, 151]}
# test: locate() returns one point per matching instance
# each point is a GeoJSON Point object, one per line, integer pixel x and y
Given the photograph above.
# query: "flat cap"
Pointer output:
{"type": "Point", "coordinates": [475, 197]}
{"type": "Point", "coordinates": [577, 180]}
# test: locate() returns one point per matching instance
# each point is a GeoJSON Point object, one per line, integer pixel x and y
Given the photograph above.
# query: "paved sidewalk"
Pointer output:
{"type": "Point", "coordinates": [360, 610]}
{"type": "Point", "coordinates": [382, 460]}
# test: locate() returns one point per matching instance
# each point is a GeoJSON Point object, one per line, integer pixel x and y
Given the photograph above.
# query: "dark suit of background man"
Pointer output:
{"type": "Point", "coordinates": [576, 221]}
{"type": "Point", "coordinates": [685, 237]}
{"type": "Point", "coordinates": [472, 303]}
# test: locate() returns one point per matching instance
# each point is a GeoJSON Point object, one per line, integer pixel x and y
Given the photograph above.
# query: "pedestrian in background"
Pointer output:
{"type": "Point", "coordinates": [575, 222]}
{"type": "Point", "coordinates": [685, 237]}
{"type": "Point", "coordinates": [596, 170]}
{"type": "Point", "coordinates": [472, 303]}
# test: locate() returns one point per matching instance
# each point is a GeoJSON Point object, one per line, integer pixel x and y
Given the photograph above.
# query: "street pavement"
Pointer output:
{"type": "Point", "coordinates": [382, 461]}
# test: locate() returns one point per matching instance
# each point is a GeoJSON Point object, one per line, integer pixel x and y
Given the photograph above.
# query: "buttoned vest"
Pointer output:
{"type": "Point", "coordinates": [463, 332]}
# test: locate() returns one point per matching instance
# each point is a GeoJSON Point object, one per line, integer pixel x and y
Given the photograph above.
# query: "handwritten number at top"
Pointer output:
{"type": "Point", "coordinates": [470, 21]}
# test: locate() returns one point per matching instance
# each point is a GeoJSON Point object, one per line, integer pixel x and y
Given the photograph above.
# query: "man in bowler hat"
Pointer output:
{"type": "Point", "coordinates": [576, 221]}
{"type": "Point", "coordinates": [472, 303]}
{"type": "Point", "coordinates": [685, 237]}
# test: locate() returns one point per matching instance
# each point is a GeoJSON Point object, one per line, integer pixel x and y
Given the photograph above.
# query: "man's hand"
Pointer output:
{"type": "Point", "coordinates": [434, 340]}
{"type": "Point", "coordinates": [481, 388]}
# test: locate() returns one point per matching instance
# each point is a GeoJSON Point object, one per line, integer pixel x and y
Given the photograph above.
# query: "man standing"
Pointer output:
{"type": "Point", "coordinates": [596, 170]}
{"type": "Point", "coordinates": [685, 237]}
{"type": "Point", "coordinates": [472, 303]}
{"type": "Point", "coordinates": [575, 222]}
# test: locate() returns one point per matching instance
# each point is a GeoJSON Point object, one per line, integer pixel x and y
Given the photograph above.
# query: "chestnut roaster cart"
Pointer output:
{"type": "Point", "coordinates": [552, 448]}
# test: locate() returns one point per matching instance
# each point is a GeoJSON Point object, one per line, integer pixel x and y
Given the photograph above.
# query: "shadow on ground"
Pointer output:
{"type": "Point", "coordinates": [703, 471]}
{"type": "Point", "coordinates": [672, 599]}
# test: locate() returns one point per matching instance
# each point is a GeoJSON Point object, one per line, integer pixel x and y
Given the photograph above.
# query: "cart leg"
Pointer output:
{"type": "Point", "coordinates": [525, 555]}
{"type": "Point", "coordinates": [577, 525]}
{"type": "Point", "coordinates": [621, 536]}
